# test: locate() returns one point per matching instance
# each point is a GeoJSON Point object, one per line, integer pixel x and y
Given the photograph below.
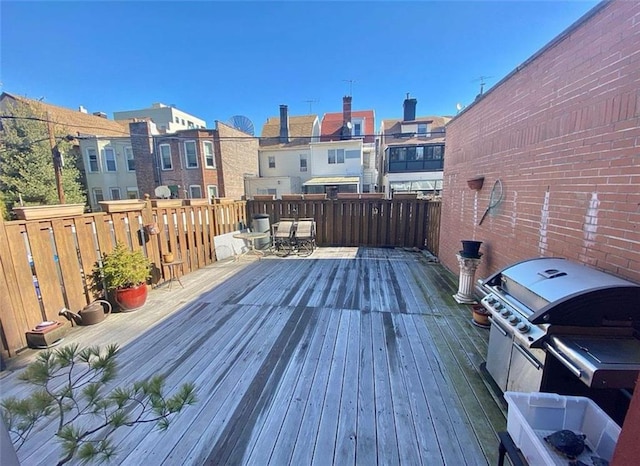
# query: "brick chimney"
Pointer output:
{"type": "Point", "coordinates": [409, 108]}
{"type": "Point", "coordinates": [346, 109]}
{"type": "Point", "coordinates": [284, 124]}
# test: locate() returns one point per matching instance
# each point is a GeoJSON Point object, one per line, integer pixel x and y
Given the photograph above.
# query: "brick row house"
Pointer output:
{"type": "Point", "coordinates": [193, 163]}
{"type": "Point", "coordinates": [412, 152]}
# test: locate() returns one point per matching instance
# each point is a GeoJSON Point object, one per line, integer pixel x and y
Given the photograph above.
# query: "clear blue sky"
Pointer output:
{"type": "Point", "coordinates": [218, 59]}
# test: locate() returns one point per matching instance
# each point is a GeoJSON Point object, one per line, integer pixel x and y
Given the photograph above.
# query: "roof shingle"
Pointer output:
{"type": "Point", "coordinates": [300, 131]}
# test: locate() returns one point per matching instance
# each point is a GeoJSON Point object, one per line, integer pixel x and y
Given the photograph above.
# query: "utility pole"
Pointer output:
{"type": "Point", "coordinates": [57, 159]}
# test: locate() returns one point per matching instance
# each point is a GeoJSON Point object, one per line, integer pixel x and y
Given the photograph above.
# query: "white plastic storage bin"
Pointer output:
{"type": "Point", "coordinates": [533, 416]}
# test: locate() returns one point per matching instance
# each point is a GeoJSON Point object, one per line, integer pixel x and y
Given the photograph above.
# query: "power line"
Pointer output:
{"type": "Point", "coordinates": [45, 120]}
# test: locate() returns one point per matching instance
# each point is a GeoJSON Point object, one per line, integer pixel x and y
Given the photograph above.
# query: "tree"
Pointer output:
{"type": "Point", "coordinates": [26, 163]}
{"type": "Point", "coordinates": [71, 389]}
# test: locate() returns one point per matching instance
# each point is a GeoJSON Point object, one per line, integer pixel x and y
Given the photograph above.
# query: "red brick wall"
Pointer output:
{"type": "Point", "coordinates": [562, 132]}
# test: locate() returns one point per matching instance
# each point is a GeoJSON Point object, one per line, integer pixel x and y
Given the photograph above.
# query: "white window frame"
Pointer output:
{"type": "Point", "coordinates": [303, 157]}
{"type": "Point", "coordinates": [118, 197]}
{"type": "Point", "coordinates": [206, 144]}
{"type": "Point", "coordinates": [97, 160]}
{"type": "Point", "coordinates": [271, 161]}
{"type": "Point", "coordinates": [94, 193]}
{"type": "Point", "coordinates": [195, 155]}
{"type": "Point", "coordinates": [132, 190]}
{"type": "Point", "coordinates": [128, 155]}
{"type": "Point", "coordinates": [106, 151]}
{"type": "Point", "coordinates": [337, 155]}
{"type": "Point", "coordinates": [212, 191]}
{"type": "Point", "coordinates": [162, 160]}
{"type": "Point", "coordinates": [193, 187]}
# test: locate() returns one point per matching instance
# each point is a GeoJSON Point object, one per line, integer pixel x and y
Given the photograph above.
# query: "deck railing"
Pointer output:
{"type": "Point", "coordinates": [47, 264]}
{"type": "Point", "coordinates": [362, 222]}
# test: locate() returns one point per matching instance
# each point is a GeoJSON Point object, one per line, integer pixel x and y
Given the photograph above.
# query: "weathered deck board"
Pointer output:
{"type": "Point", "coordinates": [350, 356]}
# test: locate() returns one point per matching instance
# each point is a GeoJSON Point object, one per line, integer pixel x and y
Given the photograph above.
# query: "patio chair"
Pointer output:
{"type": "Point", "coordinates": [283, 237]}
{"type": "Point", "coordinates": [305, 236]}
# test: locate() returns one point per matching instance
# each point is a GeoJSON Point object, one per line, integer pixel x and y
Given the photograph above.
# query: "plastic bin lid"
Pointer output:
{"type": "Point", "coordinates": [260, 216]}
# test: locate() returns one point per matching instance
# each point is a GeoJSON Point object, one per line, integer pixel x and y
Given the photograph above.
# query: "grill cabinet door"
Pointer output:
{"type": "Point", "coordinates": [499, 354]}
{"type": "Point", "coordinates": [525, 373]}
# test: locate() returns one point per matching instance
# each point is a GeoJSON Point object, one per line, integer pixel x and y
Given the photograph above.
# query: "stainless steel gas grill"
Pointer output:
{"type": "Point", "coordinates": [562, 327]}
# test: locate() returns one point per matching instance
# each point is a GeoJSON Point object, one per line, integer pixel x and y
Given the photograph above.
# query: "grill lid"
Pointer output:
{"type": "Point", "coordinates": [562, 292]}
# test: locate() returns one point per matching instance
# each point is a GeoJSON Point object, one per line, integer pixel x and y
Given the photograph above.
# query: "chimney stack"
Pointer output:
{"type": "Point", "coordinates": [346, 109]}
{"type": "Point", "coordinates": [284, 124]}
{"type": "Point", "coordinates": [409, 108]}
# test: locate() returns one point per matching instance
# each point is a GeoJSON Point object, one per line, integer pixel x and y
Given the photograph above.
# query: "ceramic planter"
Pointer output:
{"type": "Point", "coordinates": [131, 298]}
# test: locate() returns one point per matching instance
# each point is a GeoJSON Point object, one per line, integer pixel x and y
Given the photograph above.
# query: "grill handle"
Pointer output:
{"type": "Point", "coordinates": [527, 356]}
{"type": "Point", "coordinates": [569, 365]}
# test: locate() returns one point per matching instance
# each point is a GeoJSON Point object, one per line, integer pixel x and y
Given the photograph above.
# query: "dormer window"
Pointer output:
{"type": "Point", "coordinates": [423, 129]}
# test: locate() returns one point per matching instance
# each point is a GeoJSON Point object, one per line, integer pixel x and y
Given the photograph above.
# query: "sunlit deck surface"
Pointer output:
{"type": "Point", "coordinates": [349, 356]}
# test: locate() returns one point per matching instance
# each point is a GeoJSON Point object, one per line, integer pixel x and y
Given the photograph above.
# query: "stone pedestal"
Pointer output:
{"type": "Point", "coordinates": [468, 268]}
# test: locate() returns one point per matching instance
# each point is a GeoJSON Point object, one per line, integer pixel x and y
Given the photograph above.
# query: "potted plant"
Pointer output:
{"type": "Point", "coordinates": [124, 273]}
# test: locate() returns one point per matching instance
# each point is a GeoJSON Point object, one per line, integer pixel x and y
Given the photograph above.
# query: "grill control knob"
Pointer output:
{"type": "Point", "coordinates": [498, 306]}
{"type": "Point", "coordinates": [505, 313]}
{"type": "Point", "coordinates": [523, 328]}
{"type": "Point", "coordinates": [514, 320]}
{"type": "Point", "coordinates": [491, 301]}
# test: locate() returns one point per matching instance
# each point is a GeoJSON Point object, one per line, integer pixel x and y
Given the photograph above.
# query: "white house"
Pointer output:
{"type": "Point", "coordinates": [167, 118]}
{"type": "Point", "coordinates": [284, 155]}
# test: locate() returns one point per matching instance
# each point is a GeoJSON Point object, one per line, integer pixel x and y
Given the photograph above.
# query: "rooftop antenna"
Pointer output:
{"type": "Point", "coordinates": [311, 102]}
{"type": "Point", "coordinates": [350, 81]}
{"type": "Point", "coordinates": [482, 82]}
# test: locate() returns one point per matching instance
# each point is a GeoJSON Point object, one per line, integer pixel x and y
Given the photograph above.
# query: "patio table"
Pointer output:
{"type": "Point", "coordinates": [250, 239]}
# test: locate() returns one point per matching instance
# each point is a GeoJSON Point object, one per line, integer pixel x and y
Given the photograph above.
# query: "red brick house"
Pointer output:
{"type": "Point", "coordinates": [562, 133]}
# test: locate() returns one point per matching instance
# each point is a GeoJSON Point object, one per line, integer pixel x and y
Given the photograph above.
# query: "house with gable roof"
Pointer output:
{"type": "Point", "coordinates": [102, 146]}
{"type": "Point", "coordinates": [284, 155]}
{"type": "Point", "coordinates": [344, 159]}
{"type": "Point", "coordinates": [412, 152]}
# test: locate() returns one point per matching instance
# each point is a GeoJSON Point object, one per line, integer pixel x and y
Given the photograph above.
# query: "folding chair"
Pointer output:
{"type": "Point", "coordinates": [305, 236]}
{"type": "Point", "coordinates": [283, 237]}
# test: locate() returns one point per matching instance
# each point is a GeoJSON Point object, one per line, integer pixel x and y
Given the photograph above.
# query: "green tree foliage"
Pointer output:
{"type": "Point", "coordinates": [71, 388]}
{"type": "Point", "coordinates": [26, 163]}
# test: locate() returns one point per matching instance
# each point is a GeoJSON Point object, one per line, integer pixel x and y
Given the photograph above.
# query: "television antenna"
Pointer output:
{"type": "Point", "coordinates": [310, 102]}
{"type": "Point", "coordinates": [242, 123]}
{"type": "Point", "coordinates": [482, 80]}
{"type": "Point", "coordinates": [350, 81]}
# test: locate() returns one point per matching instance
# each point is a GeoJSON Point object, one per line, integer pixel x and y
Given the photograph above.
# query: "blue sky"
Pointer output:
{"type": "Point", "coordinates": [218, 59]}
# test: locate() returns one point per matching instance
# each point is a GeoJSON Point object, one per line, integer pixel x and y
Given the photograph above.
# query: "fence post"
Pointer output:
{"type": "Point", "coordinates": [153, 251]}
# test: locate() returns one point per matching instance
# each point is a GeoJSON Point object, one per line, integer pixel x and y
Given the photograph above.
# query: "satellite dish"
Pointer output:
{"type": "Point", "coordinates": [163, 192]}
{"type": "Point", "coordinates": [349, 125]}
{"type": "Point", "coordinates": [242, 123]}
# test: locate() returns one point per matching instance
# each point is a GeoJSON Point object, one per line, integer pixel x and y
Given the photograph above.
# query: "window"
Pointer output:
{"type": "Point", "coordinates": [213, 191]}
{"type": "Point", "coordinates": [190, 155]}
{"type": "Point", "coordinates": [266, 191]}
{"type": "Point", "coordinates": [182, 121]}
{"type": "Point", "coordinates": [195, 191]}
{"type": "Point", "coordinates": [303, 163]}
{"type": "Point", "coordinates": [190, 124]}
{"type": "Point", "coordinates": [97, 195]}
{"type": "Point", "coordinates": [423, 128]}
{"type": "Point", "coordinates": [336, 156]}
{"type": "Point", "coordinates": [352, 154]}
{"type": "Point", "coordinates": [110, 159]}
{"type": "Point", "coordinates": [272, 161]}
{"type": "Point", "coordinates": [128, 153]}
{"type": "Point", "coordinates": [209, 159]}
{"type": "Point", "coordinates": [132, 193]}
{"type": "Point", "coordinates": [165, 157]}
{"type": "Point", "coordinates": [357, 129]}
{"type": "Point", "coordinates": [115, 193]}
{"type": "Point", "coordinates": [177, 120]}
{"type": "Point", "coordinates": [92, 160]}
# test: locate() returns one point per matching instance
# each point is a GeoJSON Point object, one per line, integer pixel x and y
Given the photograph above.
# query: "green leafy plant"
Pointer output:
{"type": "Point", "coordinates": [72, 386]}
{"type": "Point", "coordinates": [123, 268]}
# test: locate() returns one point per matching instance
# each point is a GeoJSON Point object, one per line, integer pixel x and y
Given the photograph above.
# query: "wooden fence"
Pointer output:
{"type": "Point", "coordinates": [362, 222]}
{"type": "Point", "coordinates": [46, 265]}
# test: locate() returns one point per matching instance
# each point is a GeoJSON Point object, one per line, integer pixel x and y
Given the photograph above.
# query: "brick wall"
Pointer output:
{"type": "Point", "coordinates": [562, 132]}
{"type": "Point", "coordinates": [141, 145]}
{"type": "Point", "coordinates": [237, 154]}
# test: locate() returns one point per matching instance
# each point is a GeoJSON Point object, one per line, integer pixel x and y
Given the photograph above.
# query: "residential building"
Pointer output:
{"type": "Point", "coordinates": [412, 152]}
{"type": "Point", "coordinates": [343, 161]}
{"type": "Point", "coordinates": [168, 118]}
{"type": "Point", "coordinates": [193, 164]}
{"type": "Point", "coordinates": [284, 155]}
{"type": "Point", "coordinates": [102, 147]}
{"type": "Point", "coordinates": [109, 169]}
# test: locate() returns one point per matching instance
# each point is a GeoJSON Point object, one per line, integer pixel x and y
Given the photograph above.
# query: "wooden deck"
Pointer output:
{"type": "Point", "coordinates": [350, 356]}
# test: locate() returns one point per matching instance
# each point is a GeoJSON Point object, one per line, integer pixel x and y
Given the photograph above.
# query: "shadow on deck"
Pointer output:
{"type": "Point", "coordinates": [349, 356]}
